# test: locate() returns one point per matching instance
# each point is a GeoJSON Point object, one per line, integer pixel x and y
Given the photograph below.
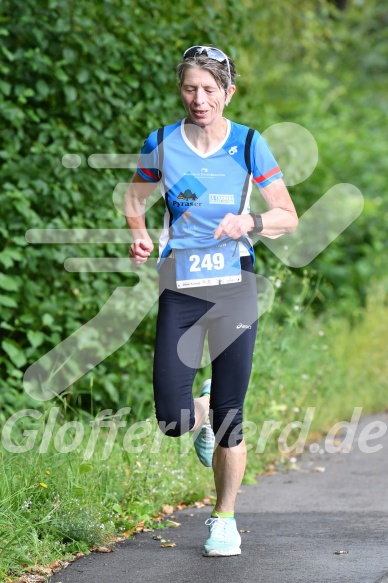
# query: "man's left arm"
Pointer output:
{"type": "Point", "coordinates": [281, 218]}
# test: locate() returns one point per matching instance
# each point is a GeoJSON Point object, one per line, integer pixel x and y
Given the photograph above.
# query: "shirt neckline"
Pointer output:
{"type": "Point", "coordinates": [211, 152]}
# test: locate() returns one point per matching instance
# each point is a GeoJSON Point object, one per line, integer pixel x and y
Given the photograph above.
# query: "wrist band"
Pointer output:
{"type": "Point", "coordinates": [257, 223]}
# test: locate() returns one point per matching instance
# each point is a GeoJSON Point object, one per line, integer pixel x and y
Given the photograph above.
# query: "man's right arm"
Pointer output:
{"type": "Point", "coordinates": [135, 208]}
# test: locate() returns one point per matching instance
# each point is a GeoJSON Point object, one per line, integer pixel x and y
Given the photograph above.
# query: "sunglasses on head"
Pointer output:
{"type": "Point", "coordinates": [210, 52]}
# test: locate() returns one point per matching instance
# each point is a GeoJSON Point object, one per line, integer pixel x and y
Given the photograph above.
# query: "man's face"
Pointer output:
{"type": "Point", "coordinates": [203, 99]}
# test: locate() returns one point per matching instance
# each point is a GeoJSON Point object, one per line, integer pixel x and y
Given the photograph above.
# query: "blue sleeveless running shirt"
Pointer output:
{"type": "Point", "coordinates": [199, 188]}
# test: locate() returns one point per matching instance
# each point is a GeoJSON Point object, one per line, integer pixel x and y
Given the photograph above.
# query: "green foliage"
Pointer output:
{"type": "Point", "coordinates": [327, 364]}
{"type": "Point", "coordinates": [325, 70]}
{"type": "Point", "coordinates": [79, 78]}
{"type": "Point", "coordinates": [96, 77]}
{"type": "Point", "coordinates": [54, 504]}
{"type": "Point", "coordinates": [84, 78]}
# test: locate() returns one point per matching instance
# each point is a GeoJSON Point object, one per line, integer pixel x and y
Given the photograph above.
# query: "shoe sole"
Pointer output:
{"type": "Point", "coordinates": [208, 460]}
{"type": "Point", "coordinates": [215, 553]}
{"type": "Point", "coordinates": [205, 463]}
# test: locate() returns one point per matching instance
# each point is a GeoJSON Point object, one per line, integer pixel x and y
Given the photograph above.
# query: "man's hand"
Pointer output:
{"type": "Point", "coordinates": [140, 250]}
{"type": "Point", "coordinates": [234, 226]}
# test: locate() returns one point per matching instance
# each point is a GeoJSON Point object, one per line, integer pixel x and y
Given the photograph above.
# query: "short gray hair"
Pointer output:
{"type": "Point", "coordinates": [217, 69]}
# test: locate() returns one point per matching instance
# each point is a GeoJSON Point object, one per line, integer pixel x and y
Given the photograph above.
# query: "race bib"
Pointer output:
{"type": "Point", "coordinates": [215, 265]}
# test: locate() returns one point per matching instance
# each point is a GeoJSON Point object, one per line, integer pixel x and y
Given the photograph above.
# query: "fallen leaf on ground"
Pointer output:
{"type": "Point", "coordinates": [199, 504]}
{"type": "Point", "coordinates": [58, 565]}
{"type": "Point", "coordinates": [103, 549]}
{"type": "Point", "coordinates": [341, 552]}
{"type": "Point", "coordinates": [242, 530]}
{"type": "Point", "coordinates": [32, 579]}
{"type": "Point", "coordinates": [167, 509]}
{"type": "Point", "coordinates": [128, 532]}
{"type": "Point", "coordinates": [40, 570]}
{"type": "Point", "coordinates": [172, 523]}
{"type": "Point", "coordinates": [167, 543]}
{"type": "Point", "coordinates": [319, 469]}
{"type": "Point", "coordinates": [156, 537]}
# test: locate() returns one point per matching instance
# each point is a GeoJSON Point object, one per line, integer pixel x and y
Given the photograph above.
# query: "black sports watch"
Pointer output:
{"type": "Point", "coordinates": [257, 223]}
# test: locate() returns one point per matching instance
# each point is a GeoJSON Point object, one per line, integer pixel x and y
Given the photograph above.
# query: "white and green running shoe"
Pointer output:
{"type": "Point", "coordinates": [204, 440]}
{"type": "Point", "coordinates": [224, 539]}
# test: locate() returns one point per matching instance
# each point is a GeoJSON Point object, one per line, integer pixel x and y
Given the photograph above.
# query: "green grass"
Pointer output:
{"type": "Point", "coordinates": [55, 504]}
{"type": "Point", "coordinates": [328, 364]}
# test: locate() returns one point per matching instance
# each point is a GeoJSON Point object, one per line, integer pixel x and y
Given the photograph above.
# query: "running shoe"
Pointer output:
{"type": "Point", "coordinates": [204, 441]}
{"type": "Point", "coordinates": [224, 539]}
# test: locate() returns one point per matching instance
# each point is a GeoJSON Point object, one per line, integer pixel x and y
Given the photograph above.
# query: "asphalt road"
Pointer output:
{"type": "Point", "coordinates": [297, 522]}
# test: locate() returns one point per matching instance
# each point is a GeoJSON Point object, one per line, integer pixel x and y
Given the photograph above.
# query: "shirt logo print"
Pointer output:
{"type": "Point", "coordinates": [187, 195]}
{"type": "Point", "coordinates": [232, 150]}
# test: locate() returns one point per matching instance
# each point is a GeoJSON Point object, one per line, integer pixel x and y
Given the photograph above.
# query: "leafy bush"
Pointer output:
{"type": "Point", "coordinates": [85, 78]}
{"type": "Point", "coordinates": [80, 78]}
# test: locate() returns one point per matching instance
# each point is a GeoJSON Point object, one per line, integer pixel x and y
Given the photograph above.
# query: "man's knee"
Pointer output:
{"type": "Point", "coordinates": [227, 427]}
{"type": "Point", "coordinates": [175, 426]}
